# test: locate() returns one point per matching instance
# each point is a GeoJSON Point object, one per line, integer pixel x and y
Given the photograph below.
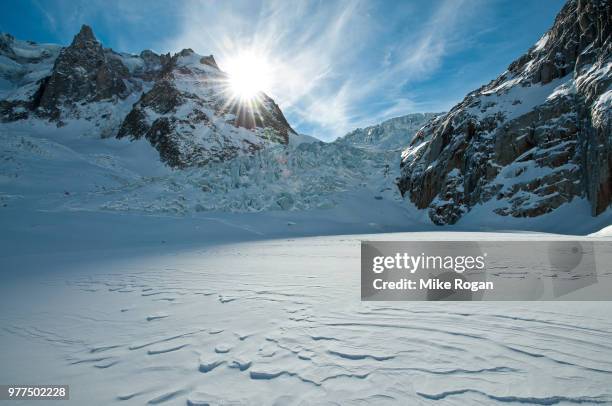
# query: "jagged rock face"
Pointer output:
{"type": "Point", "coordinates": [24, 65]}
{"type": "Point", "coordinates": [179, 103]}
{"type": "Point", "coordinates": [191, 118]}
{"type": "Point", "coordinates": [6, 45]}
{"type": "Point", "coordinates": [83, 72]}
{"type": "Point", "coordinates": [533, 139]}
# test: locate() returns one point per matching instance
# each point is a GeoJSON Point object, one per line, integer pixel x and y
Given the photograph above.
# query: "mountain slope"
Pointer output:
{"type": "Point", "coordinates": [88, 110]}
{"type": "Point", "coordinates": [179, 103]}
{"type": "Point", "coordinates": [389, 135]}
{"type": "Point", "coordinates": [535, 138]}
{"type": "Point", "coordinates": [38, 161]}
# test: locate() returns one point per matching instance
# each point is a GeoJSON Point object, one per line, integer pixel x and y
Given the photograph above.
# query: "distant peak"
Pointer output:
{"type": "Point", "coordinates": [5, 36]}
{"type": "Point", "coordinates": [210, 61]}
{"type": "Point", "coordinates": [6, 40]}
{"type": "Point", "coordinates": [186, 52]}
{"type": "Point", "coordinates": [84, 36]}
{"type": "Point", "coordinates": [147, 53]}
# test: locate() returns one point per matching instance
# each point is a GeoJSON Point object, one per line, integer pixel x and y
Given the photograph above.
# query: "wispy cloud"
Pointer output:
{"type": "Point", "coordinates": [124, 25]}
{"type": "Point", "coordinates": [49, 18]}
{"type": "Point", "coordinates": [304, 42]}
{"type": "Point", "coordinates": [336, 65]}
{"type": "Point", "coordinates": [332, 60]}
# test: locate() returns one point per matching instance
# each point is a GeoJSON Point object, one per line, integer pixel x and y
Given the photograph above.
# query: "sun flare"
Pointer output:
{"type": "Point", "coordinates": [249, 74]}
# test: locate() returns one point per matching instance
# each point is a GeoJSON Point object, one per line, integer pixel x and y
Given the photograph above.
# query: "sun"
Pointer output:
{"type": "Point", "coordinates": [249, 74]}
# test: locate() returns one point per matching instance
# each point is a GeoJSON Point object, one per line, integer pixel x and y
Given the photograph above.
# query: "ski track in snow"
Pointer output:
{"type": "Point", "coordinates": [281, 322]}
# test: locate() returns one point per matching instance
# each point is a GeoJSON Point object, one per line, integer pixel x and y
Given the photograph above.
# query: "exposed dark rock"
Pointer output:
{"type": "Point", "coordinates": [210, 61]}
{"type": "Point", "coordinates": [180, 103]}
{"type": "Point", "coordinates": [507, 143]}
{"type": "Point", "coordinates": [6, 45]}
{"type": "Point", "coordinates": [82, 73]}
{"type": "Point", "coordinates": [180, 115]}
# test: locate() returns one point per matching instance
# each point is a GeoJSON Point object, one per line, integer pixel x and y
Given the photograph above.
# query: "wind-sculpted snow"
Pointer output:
{"type": "Point", "coordinates": [153, 330]}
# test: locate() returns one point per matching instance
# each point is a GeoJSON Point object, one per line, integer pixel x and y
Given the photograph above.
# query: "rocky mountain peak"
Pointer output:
{"type": "Point", "coordinates": [186, 52]}
{"type": "Point", "coordinates": [6, 42]}
{"type": "Point", "coordinates": [563, 49]}
{"type": "Point", "coordinates": [84, 38]}
{"type": "Point", "coordinates": [210, 61]}
{"type": "Point", "coordinates": [180, 103]}
{"type": "Point", "coordinates": [190, 117]}
{"type": "Point", "coordinates": [83, 72]}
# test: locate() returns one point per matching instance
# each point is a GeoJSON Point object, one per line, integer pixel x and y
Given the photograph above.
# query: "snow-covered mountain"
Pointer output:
{"type": "Point", "coordinates": [79, 123]}
{"type": "Point", "coordinates": [390, 134]}
{"type": "Point", "coordinates": [180, 103]}
{"type": "Point", "coordinates": [84, 127]}
{"type": "Point", "coordinates": [537, 137]}
{"type": "Point", "coordinates": [39, 163]}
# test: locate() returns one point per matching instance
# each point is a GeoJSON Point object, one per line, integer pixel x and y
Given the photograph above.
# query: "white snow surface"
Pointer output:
{"type": "Point", "coordinates": [392, 134]}
{"type": "Point", "coordinates": [604, 232]}
{"type": "Point", "coordinates": [513, 99]}
{"type": "Point", "coordinates": [18, 81]}
{"type": "Point", "coordinates": [242, 309]}
{"type": "Point", "coordinates": [43, 167]}
{"type": "Point", "coordinates": [238, 283]}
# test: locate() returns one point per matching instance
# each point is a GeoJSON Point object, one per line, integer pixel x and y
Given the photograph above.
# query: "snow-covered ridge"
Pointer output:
{"type": "Point", "coordinates": [22, 65]}
{"type": "Point", "coordinates": [102, 122]}
{"type": "Point", "coordinates": [180, 103]}
{"type": "Point", "coordinates": [49, 169]}
{"type": "Point", "coordinates": [124, 176]}
{"type": "Point", "coordinates": [392, 134]}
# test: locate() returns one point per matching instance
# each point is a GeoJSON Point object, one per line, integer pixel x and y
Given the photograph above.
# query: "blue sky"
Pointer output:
{"type": "Point", "coordinates": [336, 65]}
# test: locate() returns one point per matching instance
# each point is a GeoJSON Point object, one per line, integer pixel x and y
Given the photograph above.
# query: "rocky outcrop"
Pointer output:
{"type": "Point", "coordinates": [537, 137]}
{"type": "Point", "coordinates": [180, 103]}
{"type": "Point", "coordinates": [24, 66]}
{"type": "Point", "coordinates": [82, 73]}
{"type": "Point", "coordinates": [6, 46]}
{"type": "Point", "coordinates": [190, 116]}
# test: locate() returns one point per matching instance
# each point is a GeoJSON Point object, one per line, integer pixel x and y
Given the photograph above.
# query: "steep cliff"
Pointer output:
{"type": "Point", "coordinates": [538, 136]}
